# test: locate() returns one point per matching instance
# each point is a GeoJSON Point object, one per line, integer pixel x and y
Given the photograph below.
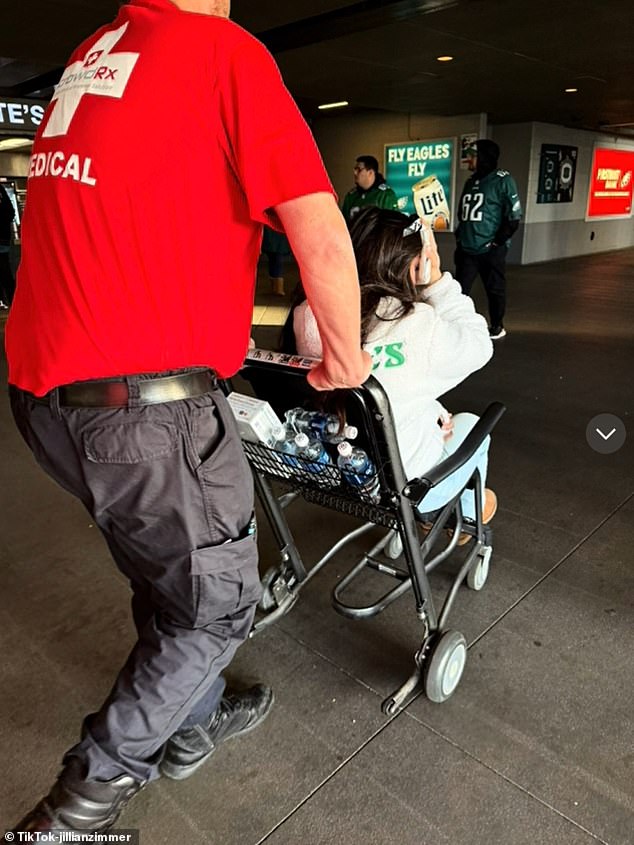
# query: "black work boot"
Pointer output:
{"type": "Point", "coordinates": [237, 714]}
{"type": "Point", "coordinates": [75, 804]}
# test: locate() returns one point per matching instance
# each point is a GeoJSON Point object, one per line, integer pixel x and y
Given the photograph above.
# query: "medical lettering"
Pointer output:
{"type": "Point", "coordinates": [57, 164]}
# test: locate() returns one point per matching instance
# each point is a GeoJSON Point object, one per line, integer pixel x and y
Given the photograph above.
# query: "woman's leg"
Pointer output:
{"type": "Point", "coordinates": [447, 489]}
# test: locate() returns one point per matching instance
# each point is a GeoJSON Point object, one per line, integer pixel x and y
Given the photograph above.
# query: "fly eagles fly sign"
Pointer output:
{"type": "Point", "coordinates": [422, 176]}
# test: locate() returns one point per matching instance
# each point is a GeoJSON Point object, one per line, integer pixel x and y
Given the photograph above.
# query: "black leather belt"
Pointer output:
{"type": "Point", "coordinates": [147, 391]}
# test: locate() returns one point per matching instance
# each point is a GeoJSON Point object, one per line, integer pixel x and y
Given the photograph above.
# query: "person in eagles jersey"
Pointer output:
{"type": "Point", "coordinates": [370, 188]}
{"type": "Point", "coordinates": [489, 213]}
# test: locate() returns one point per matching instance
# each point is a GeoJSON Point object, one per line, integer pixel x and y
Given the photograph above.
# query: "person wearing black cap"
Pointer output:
{"type": "Point", "coordinates": [489, 213]}
{"type": "Point", "coordinates": [370, 189]}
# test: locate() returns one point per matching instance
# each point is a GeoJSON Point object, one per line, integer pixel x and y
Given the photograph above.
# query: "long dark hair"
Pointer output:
{"type": "Point", "coordinates": [384, 255]}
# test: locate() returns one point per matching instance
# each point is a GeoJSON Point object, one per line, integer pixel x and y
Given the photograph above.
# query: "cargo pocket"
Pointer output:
{"type": "Point", "coordinates": [130, 442]}
{"type": "Point", "coordinates": [225, 580]}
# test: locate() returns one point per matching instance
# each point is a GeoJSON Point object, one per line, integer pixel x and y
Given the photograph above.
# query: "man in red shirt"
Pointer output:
{"type": "Point", "coordinates": [116, 393]}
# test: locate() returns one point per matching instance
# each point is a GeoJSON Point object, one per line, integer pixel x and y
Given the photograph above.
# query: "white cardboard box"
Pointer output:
{"type": "Point", "coordinates": [257, 421]}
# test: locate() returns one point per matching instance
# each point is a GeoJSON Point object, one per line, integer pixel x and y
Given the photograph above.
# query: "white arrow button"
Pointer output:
{"type": "Point", "coordinates": [605, 436]}
{"type": "Point", "coordinates": [606, 443]}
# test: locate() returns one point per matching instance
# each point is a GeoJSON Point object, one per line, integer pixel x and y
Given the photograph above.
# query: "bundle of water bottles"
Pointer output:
{"type": "Point", "coordinates": [321, 442]}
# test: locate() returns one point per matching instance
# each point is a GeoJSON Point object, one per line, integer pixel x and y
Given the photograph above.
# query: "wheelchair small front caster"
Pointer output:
{"type": "Point", "coordinates": [394, 547]}
{"type": "Point", "coordinates": [479, 572]}
{"type": "Point", "coordinates": [390, 707]}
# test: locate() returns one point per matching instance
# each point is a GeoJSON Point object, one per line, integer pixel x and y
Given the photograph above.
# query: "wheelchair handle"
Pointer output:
{"type": "Point", "coordinates": [283, 361]}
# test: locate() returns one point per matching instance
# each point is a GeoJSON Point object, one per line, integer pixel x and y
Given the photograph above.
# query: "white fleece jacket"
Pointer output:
{"type": "Point", "coordinates": [417, 359]}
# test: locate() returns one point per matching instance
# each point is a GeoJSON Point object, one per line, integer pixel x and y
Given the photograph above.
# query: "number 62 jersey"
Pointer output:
{"type": "Point", "coordinates": [485, 204]}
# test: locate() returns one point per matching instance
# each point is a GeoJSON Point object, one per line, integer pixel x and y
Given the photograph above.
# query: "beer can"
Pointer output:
{"type": "Point", "coordinates": [431, 203]}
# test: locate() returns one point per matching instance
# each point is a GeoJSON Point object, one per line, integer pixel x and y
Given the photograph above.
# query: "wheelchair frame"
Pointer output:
{"type": "Point", "coordinates": [440, 660]}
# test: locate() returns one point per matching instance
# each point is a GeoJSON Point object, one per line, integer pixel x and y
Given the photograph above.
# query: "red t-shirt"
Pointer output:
{"type": "Point", "coordinates": [169, 139]}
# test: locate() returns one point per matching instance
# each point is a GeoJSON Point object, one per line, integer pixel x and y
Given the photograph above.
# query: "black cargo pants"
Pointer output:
{"type": "Point", "coordinates": [169, 487]}
{"type": "Point", "coordinates": [491, 266]}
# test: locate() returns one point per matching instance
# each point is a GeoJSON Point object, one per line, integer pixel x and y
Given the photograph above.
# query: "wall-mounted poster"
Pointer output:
{"type": "Point", "coordinates": [422, 176]}
{"type": "Point", "coordinates": [466, 143]}
{"type": "Point", "coordinates": [610, 193]}
{"type": "Point", "coordinates": [557, 168]}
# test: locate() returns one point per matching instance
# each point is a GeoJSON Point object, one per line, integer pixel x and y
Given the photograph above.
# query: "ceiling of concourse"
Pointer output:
{"type": "Point", "coordinates": [512, 59]}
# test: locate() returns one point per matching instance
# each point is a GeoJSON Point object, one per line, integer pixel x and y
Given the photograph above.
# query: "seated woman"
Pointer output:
{"type": "Point", "coordinates": [425, 337]}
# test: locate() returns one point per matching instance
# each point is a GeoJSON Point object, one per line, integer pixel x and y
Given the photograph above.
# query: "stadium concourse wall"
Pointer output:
{"type": "Point", "coordinates": [558, 230]}
{"type": "Point", "coordinates": [547, 231]}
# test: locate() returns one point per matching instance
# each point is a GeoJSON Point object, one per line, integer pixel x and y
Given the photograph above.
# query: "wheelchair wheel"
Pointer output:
{"type": "Point", "coordinates": [478, 574]}
{"type": "Point", "coordinates": [268, 601]}
{"type": "Point", "coordinates": [445, 667]}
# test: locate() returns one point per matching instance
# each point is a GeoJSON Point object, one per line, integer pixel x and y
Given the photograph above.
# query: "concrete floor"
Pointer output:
{"type": "Point", "coordinates": [536, 747]}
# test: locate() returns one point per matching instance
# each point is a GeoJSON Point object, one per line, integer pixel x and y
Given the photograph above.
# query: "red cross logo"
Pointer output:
{"type": "Point", "coordinates": [102, 72]}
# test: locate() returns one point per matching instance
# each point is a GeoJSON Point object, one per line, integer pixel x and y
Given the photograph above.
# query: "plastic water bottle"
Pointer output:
{"type": "Point", "coordinates": [358, 471]}
{"type": "Point", "coordinates": [348, 432]}
{"type": "Point", "coordinates": [329, 429]}
{"type": "Point", "coordinates": [287, 445]}
{"type": "Point", "coordinates": [326, 427]}
{"type": "Point", "coordinates": [311, 449]}
{"type": "Point", "coordinates": [298, 419]}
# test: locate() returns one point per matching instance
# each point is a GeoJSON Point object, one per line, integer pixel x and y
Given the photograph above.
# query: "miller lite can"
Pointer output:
{"type": "Point", "coordinates": [431, 203]}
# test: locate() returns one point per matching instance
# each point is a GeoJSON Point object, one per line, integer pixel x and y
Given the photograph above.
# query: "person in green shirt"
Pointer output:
{"type": "Point", "coordinates": [489, 213]}
{"type": "Point", "coordinates": [370, 189]}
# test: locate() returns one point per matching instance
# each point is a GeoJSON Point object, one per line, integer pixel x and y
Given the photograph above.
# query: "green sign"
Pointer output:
{"type": "Point", "coordinates": [421, 174]}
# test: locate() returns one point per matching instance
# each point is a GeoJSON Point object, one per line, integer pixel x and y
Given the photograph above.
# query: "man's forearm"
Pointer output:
{"type": "Point", "coordinates": [321, 244]}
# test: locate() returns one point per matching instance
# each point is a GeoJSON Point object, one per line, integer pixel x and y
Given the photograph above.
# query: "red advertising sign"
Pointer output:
{"type": "Point", "coordinates": [611, 183]}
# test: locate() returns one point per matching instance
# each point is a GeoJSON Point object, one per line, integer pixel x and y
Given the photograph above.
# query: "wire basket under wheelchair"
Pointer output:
{"type": "Point", "coordinates": [325, 487]}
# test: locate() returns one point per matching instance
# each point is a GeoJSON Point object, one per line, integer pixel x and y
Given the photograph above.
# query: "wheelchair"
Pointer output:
{"type": "Point", "coordinates": [427, 539]}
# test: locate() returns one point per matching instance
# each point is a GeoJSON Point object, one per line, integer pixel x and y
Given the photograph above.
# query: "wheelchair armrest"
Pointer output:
{"type": "Point", "coordinates": [417, 488]}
